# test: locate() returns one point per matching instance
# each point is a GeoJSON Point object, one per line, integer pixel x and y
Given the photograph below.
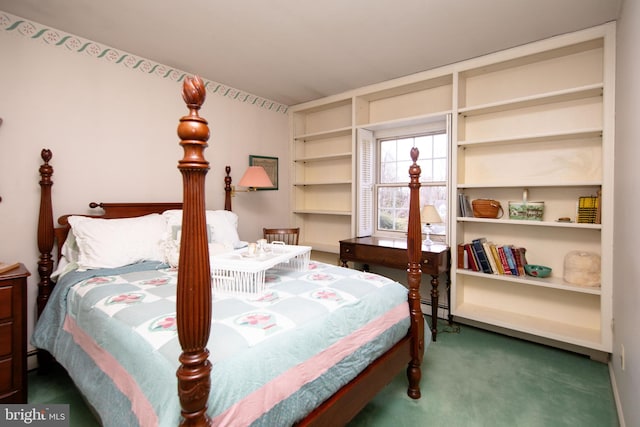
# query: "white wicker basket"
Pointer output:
{"type": "Point", "coordinates": [237, 273]}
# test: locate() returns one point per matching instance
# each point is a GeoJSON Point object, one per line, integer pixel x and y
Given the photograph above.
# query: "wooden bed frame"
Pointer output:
{"type": "Point", "coordinates": [194, 282]}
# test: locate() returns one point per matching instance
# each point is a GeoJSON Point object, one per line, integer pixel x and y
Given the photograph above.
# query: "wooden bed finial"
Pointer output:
{"type": "Point", "coordinates": [414, 275]}
{"type": "Point", "coordinates": [193, 93]}
{"type": "Point", "coordinates": [194, 277]}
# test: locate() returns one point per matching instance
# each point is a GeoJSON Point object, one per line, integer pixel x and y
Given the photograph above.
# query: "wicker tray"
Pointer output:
{"type": "Point", "coordinates": [239, 273]}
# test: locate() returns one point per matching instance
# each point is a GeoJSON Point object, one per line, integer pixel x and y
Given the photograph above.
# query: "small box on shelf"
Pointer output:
{"type": "Point", "coordinates": [589, 209]}
{"type": "Point", "coordinates": [526, 210]}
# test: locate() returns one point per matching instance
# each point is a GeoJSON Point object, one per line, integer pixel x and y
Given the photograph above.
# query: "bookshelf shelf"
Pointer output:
{"type": "Point", "coordinates": [324, 134]}
{"type": "Point", "coordinates": [321, 212]}
{"type": "Point", "coordinates": [406, 121]}
{"type": "Point", "coordinates": [310, 183]}
{"type": "Point", "coordinates": [534, 325]}
{"type": "Point", "coordinates": [325, 158]}
{"type": "Point", "coordinates": [549, 282]}
{"type": "Point", "coordinates": [503, 221]}
{"type": "Point", "coordinates": [571, 94]}
{"type": "Point", "coordinates": [546, 137]}
{"type": "Point", "coordinates": [528, 184]}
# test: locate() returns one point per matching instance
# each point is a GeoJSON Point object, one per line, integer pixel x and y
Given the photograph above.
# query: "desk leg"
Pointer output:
{"type": "Point", "coordinates": [450, 316]}
{"type": "Point", "coordinates": [434, 306]}
{"type": "Point", "coordinates": [344, 263]}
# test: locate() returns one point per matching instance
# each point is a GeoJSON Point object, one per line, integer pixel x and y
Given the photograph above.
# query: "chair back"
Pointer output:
{"type": "Point", "coordinates": [287, 235]}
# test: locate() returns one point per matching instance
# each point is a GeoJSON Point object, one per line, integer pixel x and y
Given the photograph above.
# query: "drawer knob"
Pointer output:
{"type": "Point", "coordinates": [426, 261]}
{"type": "Point", "coordinates": [347, 250]}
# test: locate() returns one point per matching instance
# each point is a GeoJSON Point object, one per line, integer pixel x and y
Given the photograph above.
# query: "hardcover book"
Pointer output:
{"type": "Point", "coordinates": [471, 256]}
{"type": "Point", "coordinates": [503, 260]}
{"type": "Point", "coordinates": [496, 257]}
{"type": "Point", "coordinates": [492, 262]}
{"type": "Point", "coordinates": [482, 255]}
{"type": "Point", "coordinates": [511, 261]}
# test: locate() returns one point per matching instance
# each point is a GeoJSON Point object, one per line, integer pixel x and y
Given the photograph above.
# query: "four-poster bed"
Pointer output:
{"type": "Point", "coordinates": [117, 357]}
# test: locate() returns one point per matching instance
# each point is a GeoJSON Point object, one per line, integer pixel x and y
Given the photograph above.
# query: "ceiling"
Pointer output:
{"type": "Point", "coordinates": [292, 51]}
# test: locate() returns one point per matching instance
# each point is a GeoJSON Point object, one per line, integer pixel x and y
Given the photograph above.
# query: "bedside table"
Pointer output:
{"type": "Point", "coordinates": [13, 335]}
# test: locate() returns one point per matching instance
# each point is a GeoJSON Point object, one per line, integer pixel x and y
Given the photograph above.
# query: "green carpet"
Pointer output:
{"type": "Point", "coordinates": [479, 378]}
{"type": "Point", "coordinates": [470, 378]}
{"type": "Point", "coordinates": [57, 387]}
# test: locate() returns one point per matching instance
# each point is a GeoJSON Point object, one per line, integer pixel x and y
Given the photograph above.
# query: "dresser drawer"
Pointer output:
{"type": "Point", "coordinates": [6, 332]}
{"type": "Point", "coordinates": [13, 335]}
{"type": "Point", "coordinates": [6, 375]}
{"type": "Point", "coordinates": [6, 301]}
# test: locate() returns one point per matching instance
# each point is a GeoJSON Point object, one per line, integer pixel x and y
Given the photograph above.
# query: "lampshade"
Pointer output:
{"type": "Point", "coordinates": [255, 176]}
{"type": "Point", "coordinates": [429, 215]}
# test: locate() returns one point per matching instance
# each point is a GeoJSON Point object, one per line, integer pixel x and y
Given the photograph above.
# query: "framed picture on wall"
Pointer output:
{"type": "Point", "coordinates": [270, 165]}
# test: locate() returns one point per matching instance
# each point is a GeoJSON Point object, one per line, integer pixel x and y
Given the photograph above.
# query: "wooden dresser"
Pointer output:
{"type": "Point", "coordinates": [13, 335]}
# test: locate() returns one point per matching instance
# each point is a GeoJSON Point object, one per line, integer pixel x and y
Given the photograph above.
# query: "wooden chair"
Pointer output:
{"type": "Point", "coordinates": [287, 235]}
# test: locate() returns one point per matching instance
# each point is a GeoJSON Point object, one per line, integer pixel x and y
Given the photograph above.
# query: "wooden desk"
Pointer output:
{"type": "Point", "coordinates": [388, 252]}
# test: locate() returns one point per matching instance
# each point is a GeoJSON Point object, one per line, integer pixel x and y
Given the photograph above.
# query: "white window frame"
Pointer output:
{"type": "Point", "coordinates": [368, 172]}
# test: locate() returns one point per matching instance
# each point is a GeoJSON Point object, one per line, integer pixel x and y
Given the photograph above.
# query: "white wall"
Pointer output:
{"type": "Point", "coordinates": [112, 131]}
{"type": "Point", "coordinates": [626, 293]}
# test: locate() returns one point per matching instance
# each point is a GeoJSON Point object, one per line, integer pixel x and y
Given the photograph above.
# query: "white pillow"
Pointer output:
{"type": "Point", "coordinates": [111, 243]}
{"type": "Point", "coordinates": [68, 257]}
{"type": "Point", "coordinates": [222, 234]}
{"type": "Point", "coordinates": [70, 249]}
{"type": "Point", "coordinates": [224, 228]}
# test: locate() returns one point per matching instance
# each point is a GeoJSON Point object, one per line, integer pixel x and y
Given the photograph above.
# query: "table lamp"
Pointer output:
{"type": "Point", "coordinates": [429, 215]}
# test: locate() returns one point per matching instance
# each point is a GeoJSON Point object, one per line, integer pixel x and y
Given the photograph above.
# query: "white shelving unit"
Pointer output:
{"type": "Point", "coordinates": [538, 122]}
{"type": "Point", "coordinates": [323, 174]}
{"type": "Point", "coordinates": [537, 117]}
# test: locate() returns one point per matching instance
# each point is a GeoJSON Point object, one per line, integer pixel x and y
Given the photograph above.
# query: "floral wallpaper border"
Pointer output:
{"type": "Point", "coordinates": [56, 38]}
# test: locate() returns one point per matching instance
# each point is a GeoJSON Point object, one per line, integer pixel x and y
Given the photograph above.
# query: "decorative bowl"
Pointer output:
{"type": "Point", "coordinates": [537, 270]}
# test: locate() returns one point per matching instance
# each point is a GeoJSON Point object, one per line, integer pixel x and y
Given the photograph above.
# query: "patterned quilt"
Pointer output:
{"type": "Point", "coordinates": [276, 355]}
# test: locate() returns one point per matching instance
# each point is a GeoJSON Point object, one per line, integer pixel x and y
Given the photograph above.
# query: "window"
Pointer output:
{"type": "Point", "coordinates": [392, 192]}
{"type": "Point", "coordinates": [383, 192]}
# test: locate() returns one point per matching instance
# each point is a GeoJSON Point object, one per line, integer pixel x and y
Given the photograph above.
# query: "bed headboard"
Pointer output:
{"type": "Point", "coordinates": [50, 236]}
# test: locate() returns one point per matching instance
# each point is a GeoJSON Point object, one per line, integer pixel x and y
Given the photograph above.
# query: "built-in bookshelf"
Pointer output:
{"type": "Point", "coordinates": [536, 125]}
{"type": "Point", "coordinates": [322, 174]}
{"type": "Point", "coordinates": [535, 121]}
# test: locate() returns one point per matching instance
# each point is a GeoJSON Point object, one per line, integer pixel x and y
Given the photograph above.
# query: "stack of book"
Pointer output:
{"type": "Point", "coordinates": [464, 206]}
{"type": "Point", "coordinates": [487, 257]}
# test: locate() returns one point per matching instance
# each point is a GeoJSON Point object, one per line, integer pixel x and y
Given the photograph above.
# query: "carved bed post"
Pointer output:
{"type": "Point", "coordinates": [45, 231]}
{"type": "Point", "coordinates": [414, 275]}
{"type": "Point", "coordinates": [46, 237]}
{"type": "Point", "coordinates": [194, 277]}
